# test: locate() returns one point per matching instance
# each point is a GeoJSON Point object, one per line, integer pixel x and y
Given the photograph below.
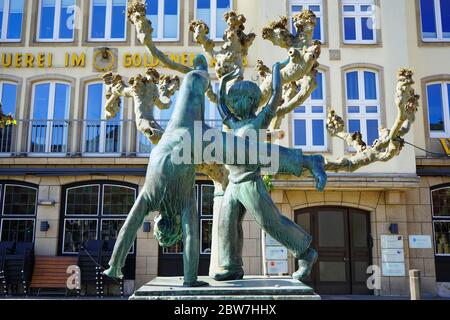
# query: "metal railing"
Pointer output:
{"type": "Point", "coordinates": [83, 137]}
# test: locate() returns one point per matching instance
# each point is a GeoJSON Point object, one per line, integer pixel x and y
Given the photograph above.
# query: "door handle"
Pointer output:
{"type": "Point", "coordinates": [346, 259]}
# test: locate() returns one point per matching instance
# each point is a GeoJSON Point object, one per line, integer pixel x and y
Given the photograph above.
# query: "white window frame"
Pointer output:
{"type": "Point", "coordinates": [438, 22]}
{"type": "Point", "coordinates": [4, 33]}
{"type": "Point", "coordinates": [30, 217]}
{"type": "Point", "coordinates": [50, 109]}
{"type": "Point", "coordinates": [446, 112]}
{"type": "Point", "coordinates": [103, 122]}
{"type": "Point", "coordinates": [213, 15]}
{"type": "Point", "coordinates": [358, 15]}
{"type": "Point", "coordinates": [83, 215]}
{"type": "Point", "coordinates": [107, 216]}
{"type": "Point", "coordinates": [108, 22]}
{"type": "Point", "coordinates": [96, 219]}
{"type": "Point", "coordinates": [309, 116]}
{"type": "Point", "coordinates": [307, 3]}
{"type": "Point", "coordinates": [362, 103]}
{"type": "Point", "coordinates": [160, 36]}
{"type": "Point", "coordinates": [56, 24]}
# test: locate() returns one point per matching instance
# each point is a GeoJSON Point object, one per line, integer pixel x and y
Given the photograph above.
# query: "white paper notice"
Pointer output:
{"type": "Point", "coordinates": [394, 269]}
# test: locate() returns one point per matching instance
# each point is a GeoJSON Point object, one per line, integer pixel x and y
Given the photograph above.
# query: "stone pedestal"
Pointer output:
{"type": "Point", "coordinates": [250, 288]}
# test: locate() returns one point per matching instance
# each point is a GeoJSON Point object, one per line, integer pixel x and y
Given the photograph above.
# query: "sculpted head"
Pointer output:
{"type": "Point", "coordinates": [244, 98]}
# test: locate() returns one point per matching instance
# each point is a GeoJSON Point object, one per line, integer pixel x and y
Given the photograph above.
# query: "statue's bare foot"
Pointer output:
{"type": "Point", "coordinates": [196, 283]}
{"type": "Point", "coordinates": [305, 265]}
{"type": "Point", "coordinates": [114, 272]}
{"type": "Point", "coordinates": [318, 171]}
{"type": "Point", "coordinates": [234, 274]}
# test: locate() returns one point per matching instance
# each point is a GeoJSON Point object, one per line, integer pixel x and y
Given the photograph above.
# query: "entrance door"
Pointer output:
{"type": "Point", "coordinates": [170, 261]}
{"type": "Point", "coordinates": [342, 238]}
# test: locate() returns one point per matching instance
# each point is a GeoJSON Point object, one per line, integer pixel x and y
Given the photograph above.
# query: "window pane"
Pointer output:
{"type": "Point", "coordinates": [445, 18]}
{"type": "Point", "coordinates": [15, 19]}
{"type": "Point", "coordinates": [318, 133]}
{"type": "Point", "coordinates": [300, 109]}
{"type": "Point", "coordinates": [76, 232]}
{"type": "Point", "coordinates": [207, 200]}
{"type": "Point", "coordinates": [441, 202]}
{"type": "Point", "coordinates": [352, 86]}
{"type": "Point", "coordinates": [206, 233]}
{"type": "Point", "coordinates": [428, 19]}
{"type": "Point", "coordinates": [317, 31]}
{"type": "Point", "coordinates": [300, 132]}
{"type": "Point", "coordinates": [370, 85]}
{"type": "Point", "coordinates": [47, 19]}
{"type": "Point", "coordinates": [435, 107]}
{"type": "Point", "coordinates": [59, 125]}
{"type": "Point", "coordinates": [317, 109]}
{"type": "Point", "coordinates": [367, 28]}
{"type": "Point", "coordinates": [296, 9]}
{"type": "Point", "coordinates": [17, 230]}
{"type": "Point", "coordinates": [20, 200]}
{"type": "Point", "coordinates": [117, 200]}
{"type": "Point", "coordinates": [67, 19]}
{"type": "Point", "coordinates": [204, 11]}
{"type": "Point", "coordinates": [110, 229]}
{"type": "Point", "coordinates": [82, 200]}
{"type": "Point", "coordinates": [40, 117]}
{"type": "Point", "coordinates": [371, 109]}
{"type": "Point", "coordinates": [350, 28]}
{"type": "Point", "coordinates": [8, 98]}
{"type": "Point", "coordinates": [94, 114]}
{"type": "Point", "coordinates": [353, 109]}
{"type": "Point", "coordinates": [372, 131]}
{"type": "Point", "coordinates": [222, 7]}
{"type": "Point", "coordinates": [118, 19]}
{"type": "Point", "coordinates": [349, 8]}
{"type": "Point", "coordinates": [354, 126]}
{"type": "Point", "coordinates": [152, 15]}
{"type": "Point", "coordinates": [442, 237]}
{"type": "Point", "coordinates": [98, 19]}
{"type": "Point", "coordinates": [318, 93]}
{"type": "Point", "coordinates": [2, 3]}
{"type": "Point", "coordinates": [171, 19]}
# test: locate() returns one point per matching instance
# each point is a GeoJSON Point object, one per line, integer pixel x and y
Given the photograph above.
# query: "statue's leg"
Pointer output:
{"type": "Point", "coordinates": [257, 201]}
{"type": "Point", "coordinates": [191, 244]}
{"type": "Point", "coordinates": [127, 234]}
{"type": "Point", "coordinates": [230, 236]}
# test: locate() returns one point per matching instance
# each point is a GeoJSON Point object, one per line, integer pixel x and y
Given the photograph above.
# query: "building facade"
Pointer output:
{"type": "Point", "coordinates": [64, 164]}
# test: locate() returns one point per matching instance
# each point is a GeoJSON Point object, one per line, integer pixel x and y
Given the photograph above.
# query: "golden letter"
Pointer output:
{"type": "Point", "coordinates": [127, 60]}
{"type": "Point", "coordinates": [49, 60]}
{"type": "Point", "coordinates": [29, 60]}
{"type": "Point", "coordinates": [78, 61]}
{"type": "Point", "coordinates": [6, 60]}
{"type": "Point", "coordinates": [175, 57]}
{"type": "Point", "coordinates": [150, 61]}
{"type": "Point", "coordinates": [66, 60]}
{"type": "Point", "coordinates": [40, 60]}
{"type": "Point", "coordinates": [445, 145]}
{"type": "Point", "coordinates": [184, 58]}
{"type": "Point", "coordinates": [18, 60]}
{"type": "Point", "coordinates": [137, 60]}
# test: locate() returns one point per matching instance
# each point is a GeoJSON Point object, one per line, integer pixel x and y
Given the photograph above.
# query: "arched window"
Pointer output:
{"type": "Point", "coordinates": [309, 120]}
{"type": "Point", "coordinates": [363, 103]}
{"type": "Point", "coordinates": [18, 211]}
{"type": "Point", "coordinates": [8, 99]}
{"type": "Point", "coordinates": [49, 120]}
{"type": "Point", "coordinates": [94, 211]}
{"type": "Point", "coordinates": [438, 99]}
{"type": "Point", "coordinates": [101, 136]}
{"type": "Point", "coordinates": [440, 196]}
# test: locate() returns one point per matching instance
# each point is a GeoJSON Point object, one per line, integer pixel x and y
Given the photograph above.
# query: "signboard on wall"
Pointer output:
{"type": "Point", "coordinates": [276, 267]}
{"type": "Point", "coordinates": [391, 242]}
{"type": "Point", "coordinates": [393, 255]}
{"type": "Point", "coordinates": [393, 269]}
{"type": "Point", "coordinates": [420, 242]}
{"type": "Point", "coordinates": [276, 256]}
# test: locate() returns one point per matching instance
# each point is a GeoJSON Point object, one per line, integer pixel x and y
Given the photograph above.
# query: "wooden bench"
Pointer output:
{"type": "Point", "coordinates": [51, 272]}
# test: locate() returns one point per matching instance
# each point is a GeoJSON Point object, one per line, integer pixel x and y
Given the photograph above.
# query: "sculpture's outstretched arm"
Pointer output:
{"type": "Point", "coordinates": [390, 141]}
{"type": "Point", "coordinates": [229, 119]}
{"type": "Point", "coordinates": [136, 16]}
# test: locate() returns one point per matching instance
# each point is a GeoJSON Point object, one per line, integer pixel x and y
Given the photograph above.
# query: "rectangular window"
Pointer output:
{"type": "Point", "coordinates": [363, 103]}
{"type": "Point", "coordinates": [315, 6]}
{"type": "Point", "coordinates": [435, 20]}
{"type": "Point", "coordinates": [211, 12]}
{"type": "Point", "coordinates": [438, 97]}
{"type": "Point", "coordinates": [56, 21]}
{"type": "Point", "coordinates": [101, 136]}
{"type": "Point", "coordinates": [165, 18]}
{"type": "Point", "coordinates": [108, 20]}
{"type": "Point", "coordinates": [309, 120]}
{"type": "Point", "coordinates": [359, 21]}
{"type": "Point", "coordinates": [11, 19]}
